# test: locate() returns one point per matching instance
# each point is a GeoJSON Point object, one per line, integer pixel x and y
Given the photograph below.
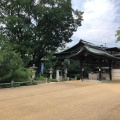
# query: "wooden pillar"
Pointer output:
{"type": "Point", "coordinates": [100, 73]}
{"type": "Point", "coordinates": [81, 72]}
{"type": "Point", "coordinates": [110, 70]}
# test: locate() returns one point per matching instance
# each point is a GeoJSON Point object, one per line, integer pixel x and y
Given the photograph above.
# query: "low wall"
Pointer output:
{"type": "Point", "coordinates": [105, 76]}
{"type": "Point", "coordinates": [116, 74]}
{"type": "Point", "coordinates": [95, 76]}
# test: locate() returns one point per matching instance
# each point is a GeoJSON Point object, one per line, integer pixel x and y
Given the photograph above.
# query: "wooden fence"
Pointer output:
{"type": "Point", "coordinates": [16, 84]}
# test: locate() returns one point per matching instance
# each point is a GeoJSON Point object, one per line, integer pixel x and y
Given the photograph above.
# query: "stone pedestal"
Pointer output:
{"type": "Point", "coordinates": [58, 75]}
{"type": "Point", "coordinates": [33, 71]}
{"type": "Point", "coordinates": [51, 72]}
{"type": "Point", "coordinates": [33, 74]}
{"type": "Point", "coordinates": [65, 73]}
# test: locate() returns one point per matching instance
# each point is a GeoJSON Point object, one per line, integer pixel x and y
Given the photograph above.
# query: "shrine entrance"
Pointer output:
{"type": "Point", "coordinates": [98, 68]}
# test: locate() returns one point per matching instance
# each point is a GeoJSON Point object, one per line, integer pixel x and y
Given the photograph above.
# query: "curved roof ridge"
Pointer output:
{"type": "Point", "coordinates": [93, 45]}
{"type": "Point", "coordinates": [94, 51]}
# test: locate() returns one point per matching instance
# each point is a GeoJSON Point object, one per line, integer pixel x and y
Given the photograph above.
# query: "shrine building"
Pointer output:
{"type": "Point", "coordinates": [106, 61]}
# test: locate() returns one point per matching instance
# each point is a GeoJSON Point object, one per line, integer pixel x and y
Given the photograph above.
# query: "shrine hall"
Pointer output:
{"type": "Point", "coordinates": [105, 60]}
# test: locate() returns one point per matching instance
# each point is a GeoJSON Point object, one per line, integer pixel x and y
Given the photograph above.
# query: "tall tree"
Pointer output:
{"type": "Point", "coordinates": [37, 27]}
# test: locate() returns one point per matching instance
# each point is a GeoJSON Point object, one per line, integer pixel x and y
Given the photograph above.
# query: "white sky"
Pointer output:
{"type": "Point", "coordinates": [101, 20]}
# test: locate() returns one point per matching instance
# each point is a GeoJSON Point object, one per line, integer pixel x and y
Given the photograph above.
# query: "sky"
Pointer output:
{"type": "Point", "coordinates": [101, 20]}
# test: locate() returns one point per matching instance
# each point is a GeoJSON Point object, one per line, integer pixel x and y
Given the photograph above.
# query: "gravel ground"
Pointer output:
{"type": "Point", "coordinates": [72, 100]}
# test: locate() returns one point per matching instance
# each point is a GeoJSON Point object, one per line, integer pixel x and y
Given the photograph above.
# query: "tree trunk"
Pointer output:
{"type": "Point", "coordinates": [38, 64]}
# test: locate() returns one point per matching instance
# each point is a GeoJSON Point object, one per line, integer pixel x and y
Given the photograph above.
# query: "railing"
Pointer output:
{"type": "Point", "coordinates": [30, 82]}
{"type": "Point", "coordinates": [25, 83]}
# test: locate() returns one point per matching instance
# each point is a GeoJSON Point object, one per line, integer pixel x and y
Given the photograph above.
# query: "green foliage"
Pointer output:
{"type": "Point", "coordinates": [16, 85]}
{"type": "Point", "coordinates": [34, 83]}
{"type": "Point", "coordinates": [118, 34]}
{"type": "Point", "coordinates": [50, 61]}
{"type": "Point", "coordinates": [11, 64]}
{"type": "Point", "coordinates": [5, 86]}
{"type": "Point", "coordinates": [37, 28]}
{"type": "Point", "coordinates": [22, 74]}
{"type": "Point", "coordinates": [52, 80]}
{"type": "Point", "coordinates": [66, 63]}
{"type": "Point", "coordinates": [74, 68]}
{"type": "Point", "coordinates": [41, 78]}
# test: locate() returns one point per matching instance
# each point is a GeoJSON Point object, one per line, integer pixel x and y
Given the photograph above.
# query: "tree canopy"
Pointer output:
{"type": "Point", "coordinates": [37, 27]}
{"type": "Point", "coordinates": [118, 34]}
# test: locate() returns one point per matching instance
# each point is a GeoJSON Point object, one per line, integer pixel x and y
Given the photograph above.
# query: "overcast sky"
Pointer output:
{"type": "Point", "coordinates": [101, 20]}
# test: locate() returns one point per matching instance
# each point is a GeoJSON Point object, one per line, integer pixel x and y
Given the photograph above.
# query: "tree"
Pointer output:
{"type": "Point", "coordinates": [49, 61]}
{"type": "Point", "coordinates": [37, 28]}
{"type": "Point", "coordinates": [74, 68]}
{"type": "Point", "coordinates": [118, 34]}
{"type": "Point", "coordinates": [11, 65]}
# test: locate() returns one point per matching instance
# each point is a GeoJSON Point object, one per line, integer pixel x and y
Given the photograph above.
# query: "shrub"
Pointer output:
{"type": "Point", "coordinates": [34, 83]}
{"type": "Point", "coordinates": [40, 78]}
{"type": "Point", "coordinates": [11, 64]}
{"type": "Point", "coordinates": [52, 80]}
{"type": "Point", "coordinates": [22, 74]}
{"type": "Point", "coordinates": [16, 85]}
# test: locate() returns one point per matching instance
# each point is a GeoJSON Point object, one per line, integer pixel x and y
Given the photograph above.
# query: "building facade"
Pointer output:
{"type": "Point", "coordinates": [103, 62]}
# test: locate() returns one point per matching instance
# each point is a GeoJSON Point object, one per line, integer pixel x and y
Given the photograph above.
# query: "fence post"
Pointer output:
{"type": "Point", "coordinates": [12, 83]}
{"type": "Point", "coordinates": [31, 81]}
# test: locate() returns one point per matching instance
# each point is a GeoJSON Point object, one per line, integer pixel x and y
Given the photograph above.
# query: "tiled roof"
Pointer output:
{"type": "Point", "coordinates": [94, 51]}
{"type": "Point", "coordinates": [89, 47]}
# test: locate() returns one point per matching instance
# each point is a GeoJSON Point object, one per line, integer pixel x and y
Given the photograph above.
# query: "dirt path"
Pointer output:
{"type": "Point", "coordinates": [73, 100]}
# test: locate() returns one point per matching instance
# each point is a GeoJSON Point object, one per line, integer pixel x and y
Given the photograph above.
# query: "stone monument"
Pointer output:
{"type": "Point", "coordinates": [58, 75]}
{"type": "Point", "coordinates": [33, 71]}
{"type": "Point", "coordinates": [51, 72]}
{"type": "Point", "coordinates": [65, 73]}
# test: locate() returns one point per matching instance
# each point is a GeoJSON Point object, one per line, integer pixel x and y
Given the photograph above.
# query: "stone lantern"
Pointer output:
{"type": "Point", "coordinates": [51, 72]}
{"type": "Point", "coordinates": [33, 71]}
{"type": "Point", "coordinates": [65, 72]}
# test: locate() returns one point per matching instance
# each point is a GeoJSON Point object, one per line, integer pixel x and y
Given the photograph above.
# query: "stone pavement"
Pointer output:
{"type": "Point", "coordinates": [72, 100]}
